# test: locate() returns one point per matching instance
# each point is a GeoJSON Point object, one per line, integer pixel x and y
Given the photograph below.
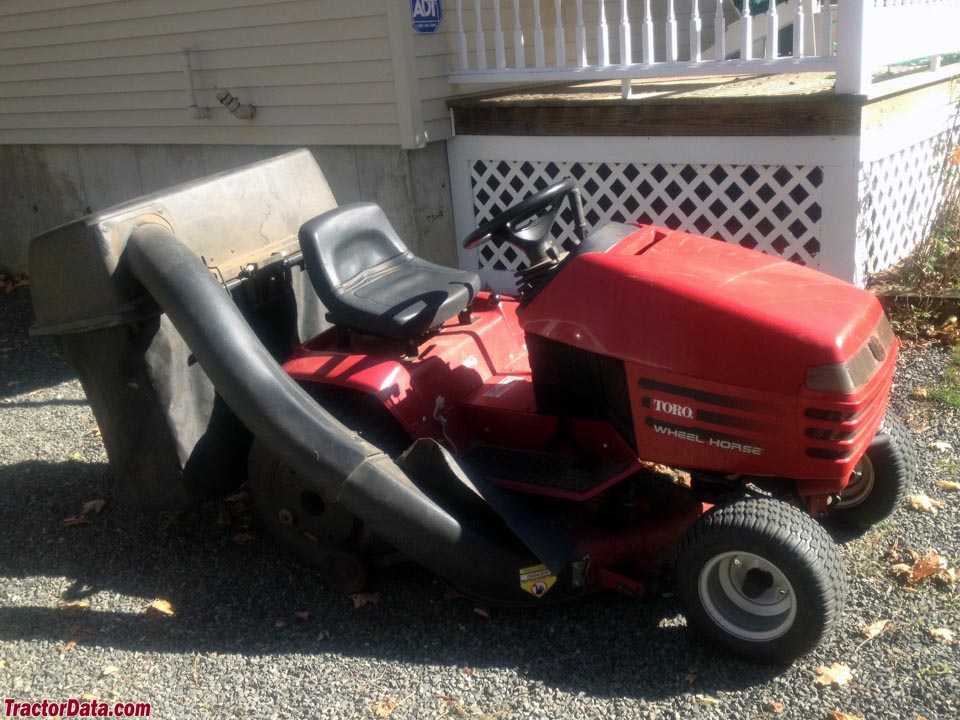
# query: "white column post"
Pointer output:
{"type": "Point", "coordinates": [719, 33]}
{"type": "Point", "coordinates": [799, 30]}
{"type": "Point", "coordinates": [559, 37]}
{"type": "Point", "coordinates": [481, 38]}
{"type": "Point", "coordinates": [626, 55]}
{"type": "Point", "coordinates": [696, 29]}
{"type": "Point", "coordinates": [772, 44]}
{"type": "Point", "coordinates": [539, 55]}
{"type": "Point", "coordinates": [746, 32]}
{"type": "Point", "coordinates": [826, 29]}
{"type": "Point", "coordinates": [648, 46]}
{"type": "Point", "coordinates": [461, 38]}
{"type": "Point", "coordinates": [498, 37]}
{"type": "Point", "coordinates": [672, 50]}
{"type": "Point", "coordinates": [519, 59]}
{"type": "Point", "coordinates": [603, 37]}
{"type": "Point", "coordinates": [854, 64]}
{"type": "Point", "coordinates": [581, 36]}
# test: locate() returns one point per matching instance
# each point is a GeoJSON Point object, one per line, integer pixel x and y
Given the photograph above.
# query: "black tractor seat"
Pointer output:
{"type": "Point", "coordinates": [369, 281]}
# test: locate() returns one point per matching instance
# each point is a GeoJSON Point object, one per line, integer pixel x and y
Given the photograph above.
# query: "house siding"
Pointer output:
{"type": "Point", "coordinates": [78, 72]}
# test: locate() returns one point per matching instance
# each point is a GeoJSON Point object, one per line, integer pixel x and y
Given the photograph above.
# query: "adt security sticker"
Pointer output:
{"type": "Point", "coordinates": [427, 15]}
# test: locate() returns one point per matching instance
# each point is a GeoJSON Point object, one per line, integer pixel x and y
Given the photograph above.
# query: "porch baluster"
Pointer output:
{"type": "Point", "coordinates": [481, 39]}
{"type": "Point", "coordinates": [498, 37]}
{"type": "Point", "coordinates": [696, 28]}
{"type": "Point", "coordinates": [559, 37]}
{"type": "Point", "coordinates": [603, 37]}
{"type": "Point", "coordinates": [772, 44]}
{"type": "Point", "coordinates": [799, 29]}
{"type": "Point", "coordinates": [648, 47]}
{"type": "Point", "coordinates": [581, 36]}
{"type": "Point", "coordinates": [672, 52]}
{"type": "Point", "coordinates": [538, 35]}
{"type": "Point", "coordinates": [719, 34]}
{"type": "Point", "coordinates": [826, 29]}
{"type": "Point", "coordinates": [461, 38]}
{"type": "Point", "coordinates": [519, 60]}
{"type": "Point", "coordinates": [746, 34]}
{"type": "Point", "coordinates": [626, 56]}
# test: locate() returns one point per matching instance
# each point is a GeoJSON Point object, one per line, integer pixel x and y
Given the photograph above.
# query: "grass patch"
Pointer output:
{"type": "Point", "coordinates": [948, 390]}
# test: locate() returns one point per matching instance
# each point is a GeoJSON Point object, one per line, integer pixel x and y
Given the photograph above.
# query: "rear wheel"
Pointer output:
{"type": "Point", "coordinates": [880, 480]}
{"type": "Point", "coordinates": [761, 579]}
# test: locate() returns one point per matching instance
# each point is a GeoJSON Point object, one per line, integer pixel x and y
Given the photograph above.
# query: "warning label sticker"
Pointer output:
{"type": "Point", "coordinates": [537, 580]}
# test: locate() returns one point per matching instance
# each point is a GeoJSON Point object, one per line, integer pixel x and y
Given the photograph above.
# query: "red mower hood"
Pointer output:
{"type": "Point", "coordinates": [706, 309]}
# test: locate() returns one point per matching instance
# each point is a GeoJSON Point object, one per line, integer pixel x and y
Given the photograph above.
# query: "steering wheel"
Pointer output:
{"type": "Point", "coordinates": [527, 224]}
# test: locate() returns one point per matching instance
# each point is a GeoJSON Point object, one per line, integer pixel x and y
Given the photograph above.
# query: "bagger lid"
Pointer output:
{"type": "Point", "coordinates": [230, 219]}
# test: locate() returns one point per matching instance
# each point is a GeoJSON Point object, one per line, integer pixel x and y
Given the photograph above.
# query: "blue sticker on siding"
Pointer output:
{"type": "Point", "coordinates": [427, 15]}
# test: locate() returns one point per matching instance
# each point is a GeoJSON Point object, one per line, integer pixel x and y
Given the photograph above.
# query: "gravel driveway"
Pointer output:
{"type": "Point", "coordinates": [235, 647]}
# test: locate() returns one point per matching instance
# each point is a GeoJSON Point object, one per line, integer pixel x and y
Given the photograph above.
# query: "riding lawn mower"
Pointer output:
{"type": "Point", "coordinates": [649, 405]}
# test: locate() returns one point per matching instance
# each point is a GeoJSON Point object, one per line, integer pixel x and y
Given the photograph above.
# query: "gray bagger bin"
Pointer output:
{"type": "Point", "coordinates": [170, 439]}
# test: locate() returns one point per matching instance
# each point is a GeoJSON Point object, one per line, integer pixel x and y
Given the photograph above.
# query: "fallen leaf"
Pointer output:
{"type": "Point", "coordinates": [385, 707]}
{"type": "Point", "coordinates": [72, 608]}
{"type": "Point", "coordinates": [82, 630]}
{"type": "Point", "coordinates": [775, 707]}
{"type": "Point", "coordinates": [362, 599]}
{"type": "Point", "coordinates": [302, 615]}
{"type": "Point", "coordinates": [243, 537]}
{"type": "Point", "coordinates": [955, 156]}
{"type": "Point", "coordinates": [836, 674]}
{"type": "Point", "coordinates": [943, 635]}
{"type": "Point", "coordinates": [874, 629]}
{"type": "Point", "coordinates": [920, 394]}
{"type": "Point", "coordinates": [949, 485]}
{"type": "Point", "coordinates": [3, 664]}
{"type": "Point", "coordinates": [837, 715]}
{"type": "Point", "coordinates": [97, 432]}
{"type": "Point", "coordinates": [73, 521]}
{"type": "Point", "coordinates": [941, 445]}
{"type": "Point", "coordinates": [93, 506]}
{"type": "Point", "coordinates": [690, 678]}
{"type": "Point", "coordinates": [68, 647]}
{"type": "Point", "coordinates": [707, 700]}
{"type": "Point", "coordinates": [110, 670]}
{"type": "Point", "coordinates": [160, 608]}
{"type": "Point", "coordinates": [466, 672]}
{"type": "Point", "coordinates": [929, 564]}
{"type": "Point", "coordinates": [482, 612]}
{"type": "Point", "coordinates": [922, 503]}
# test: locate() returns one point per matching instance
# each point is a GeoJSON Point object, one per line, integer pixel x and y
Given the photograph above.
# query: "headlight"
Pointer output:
{"type": "Point", "coordinates": [848, 377]}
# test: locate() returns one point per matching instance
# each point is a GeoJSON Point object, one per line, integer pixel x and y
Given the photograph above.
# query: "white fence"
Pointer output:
{"type": "Point", "coordinates": [527, 41]}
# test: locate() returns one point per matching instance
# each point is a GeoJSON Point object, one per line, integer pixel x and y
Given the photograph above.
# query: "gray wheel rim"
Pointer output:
{"type": "Point", "coordinates": [862, 480]}
{"type": "Point", "coordinates": [731, 597]}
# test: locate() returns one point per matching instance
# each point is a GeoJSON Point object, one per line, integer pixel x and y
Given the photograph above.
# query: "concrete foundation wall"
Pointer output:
{"type": "Point", "coordinates": [44, 186]}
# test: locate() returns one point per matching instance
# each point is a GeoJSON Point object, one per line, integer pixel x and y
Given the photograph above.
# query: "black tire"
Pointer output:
{"type": "Point", "coordinates": [880, 480]}
{"type": "Point", "coordinates": [761, 579]}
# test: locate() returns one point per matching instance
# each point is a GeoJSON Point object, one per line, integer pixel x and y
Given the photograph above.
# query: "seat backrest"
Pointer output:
{"type": "Point", "coordinates": [342, 244]}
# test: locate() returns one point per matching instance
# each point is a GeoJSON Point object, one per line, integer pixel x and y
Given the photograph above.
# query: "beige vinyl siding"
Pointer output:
{"type": "Point", "coordinates": [319, 71]}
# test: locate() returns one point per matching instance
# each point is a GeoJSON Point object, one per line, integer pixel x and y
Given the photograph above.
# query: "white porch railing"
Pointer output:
{"type": "Point", "coordinates": [534, 41]}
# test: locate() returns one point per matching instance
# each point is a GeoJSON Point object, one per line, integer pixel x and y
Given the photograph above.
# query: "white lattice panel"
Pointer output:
{"type": "Point", "coordinates": [899, 198]}
{"type": "Point", "coordinates": [774, 208]}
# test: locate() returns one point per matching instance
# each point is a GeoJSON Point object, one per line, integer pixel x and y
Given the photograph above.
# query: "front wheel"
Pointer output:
{"type": "Point", "coordinates": [761, 579]}
{"type": "Point", "coordinates": [880, 479]}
